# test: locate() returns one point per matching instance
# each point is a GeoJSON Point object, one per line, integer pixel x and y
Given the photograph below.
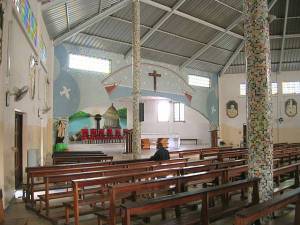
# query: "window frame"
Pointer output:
{"type": "Point", "coordinates": [87, 70]}
{"type": "Point", "coordinates": [294, 93]}
{"type": "Point", "coordinates": [180, 104]}
{"type": "Point", "coordinates": [199, 76]}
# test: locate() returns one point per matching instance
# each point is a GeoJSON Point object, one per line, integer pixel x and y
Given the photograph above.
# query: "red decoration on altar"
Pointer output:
{"type": "Point", "coordinates": [188, 96]}
{"type": "Point", "coordinates": [110, 88]}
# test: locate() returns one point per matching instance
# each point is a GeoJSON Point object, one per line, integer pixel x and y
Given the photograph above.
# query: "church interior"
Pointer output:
{"type": "Point", "coordinates": [169, 112]}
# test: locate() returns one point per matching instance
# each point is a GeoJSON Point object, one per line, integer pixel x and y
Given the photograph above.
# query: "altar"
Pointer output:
{"type": "Point", "coordinates": [171, 141]}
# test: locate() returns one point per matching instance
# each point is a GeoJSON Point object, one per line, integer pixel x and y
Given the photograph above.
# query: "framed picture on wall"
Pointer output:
{"type": "Point", "coordinates": [290, 107]}
{"type": "Point", "coordinates": [232, 109]}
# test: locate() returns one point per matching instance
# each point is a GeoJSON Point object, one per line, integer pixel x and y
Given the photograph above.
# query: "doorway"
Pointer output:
{"type": "Point", "coordinates": [18, 150]}
{"type": "Point", "coordinates": [244, 135]}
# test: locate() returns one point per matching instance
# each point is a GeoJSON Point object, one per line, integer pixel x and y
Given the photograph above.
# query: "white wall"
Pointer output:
{"type": "Point", "coordinates": [195, 125]}
{"type": "Point", "coordinates": [36, 131]}
{"type": "Point", "coordinates": [231, 129]}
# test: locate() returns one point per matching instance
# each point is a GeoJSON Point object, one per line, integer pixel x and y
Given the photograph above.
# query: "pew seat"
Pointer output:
{"type": "Point", "coordinates": [252, 214]}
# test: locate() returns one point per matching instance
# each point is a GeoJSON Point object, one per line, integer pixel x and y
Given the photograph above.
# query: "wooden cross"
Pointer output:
{"type": "Point", "coordinates": [154, 75]}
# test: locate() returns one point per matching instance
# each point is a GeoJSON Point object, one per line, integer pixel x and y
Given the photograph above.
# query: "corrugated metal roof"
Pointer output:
{"type": "Point", "coordinates": [240, 59]}
{"type": "Point", "coordinates": [215, 56]}
{"type": "Point", "coordinates": [236, 69]}
{"type": "Point", "coordinates": [169, 3]}
{"type": "Point", "coordinates": [239, 29]}
{"type": "Point", "coordinates": [291, 66]}
{"type": "Point", "coordinates": [175, 45]}
{"type": "Point", "coordinates": [234, 3]}
{"type": "Point", "coordinates": [292, 43]}
{"type": "Point", "coordinates": [189, 29]}
{"type": "Point", "coordinates": [228, 42]}
{"type": "Point", "coordinates": [205, 66]}
{"type": "Point", "coordinates": [293, 26]}
{"type": "Point", "coordinates": [114, 29]}
{"type": "Point", "coordinates": [178, 38]}
{"type": "Point", "coordinates": [81, 10]}
{"type": "Point", "coordinates": [55, 20]}
{"type": "Point", "coordinates": [162, 57]}
{"type": "Point", "coordinates": [278, 8]}
{"type": "Point", "coordinates": [94, 42]}
{"type": "Point", "coordinates": [292, 55]}
{"type": "Point", "coordinates": [294, 8]}
{"type": "Point", "coordinates": [210, 11]}
{"type": "Point", "coordinates": [149, 14]}
{"type": "Point", "coordinates": [276, 27]}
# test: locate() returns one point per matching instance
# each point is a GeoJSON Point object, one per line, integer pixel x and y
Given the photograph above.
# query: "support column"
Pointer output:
{"type": "Point", "coordinates": [136, 77]}
{"type": "Point", "coordinates": [259, 116]}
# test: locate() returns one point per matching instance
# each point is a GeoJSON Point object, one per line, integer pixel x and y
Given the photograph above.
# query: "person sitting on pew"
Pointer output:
{"type": "Point", "coordinates": [160, 154]}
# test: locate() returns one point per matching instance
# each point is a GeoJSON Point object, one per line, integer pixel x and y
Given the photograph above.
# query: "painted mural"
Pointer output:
{"type": "Point", "coordinates": [112, 118]}
{"type": "Point", "coordinates": [89, 92]}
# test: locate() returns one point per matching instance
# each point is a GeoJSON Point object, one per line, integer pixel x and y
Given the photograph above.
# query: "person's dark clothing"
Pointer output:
{"type": "Point", "coordinates": [161, 154]}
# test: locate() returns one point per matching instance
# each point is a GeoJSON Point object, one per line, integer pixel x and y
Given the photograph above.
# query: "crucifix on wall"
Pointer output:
{"type": "Point", "coordinates": [154, 75]}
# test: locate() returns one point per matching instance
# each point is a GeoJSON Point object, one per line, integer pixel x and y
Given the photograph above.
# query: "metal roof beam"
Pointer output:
{"type": "Point", "coordinates": [67, 15]}
{"type": "Point", "coordinates": [89, 22]}
{"type": "Point", "coordinates": [272, 4]}
{"type": "Point", "coordinates": [192, 18]}
{"type": "Point", "coordinates": [210, 43]}
{"type": "Point", "coordinates": [228, 6]}
{"type": "Point", "coordinates": [240, 47]}
{"type": "Point", "coordinates": [284, 33]}
{"type": "Point", "coordinates": [232, 58]}
{"type": "Point", "coordinates": [287, 36]}
{"type": "Point", "coordinates": [146, 48]}
{"type": "Point", "coordinates": [158, 25]}
{"type": "Point", "coordinates": [171, 34]}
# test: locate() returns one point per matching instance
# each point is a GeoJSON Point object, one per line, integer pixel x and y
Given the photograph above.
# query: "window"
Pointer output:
{"type": "Point", "coordinates": [87, 63]}
{"type": "Point", "coordinates": [291, 87]}
{"type": "Point", "coordinates": [274, 88]}
{"type": "Point", "coordinates": [199, 81]}
{"type": "Point", "coordinates": [178, 112]}
{"type": "Point", "coordinates": [242, 89]}
{"type": "Point", "coordinates": [163, 111]}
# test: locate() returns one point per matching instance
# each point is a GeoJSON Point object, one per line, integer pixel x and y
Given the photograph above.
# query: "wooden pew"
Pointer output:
{"type": "Point", "coordinates": [179, 184]}
{"type": "Point", "coordinates": [252, 214]}
{"type": "Point", "coordinates": [34, 173]}
{"type": "Point", "coordinates": [130, 209]}
{"type": "Point", "coordinates": [193, 151]}
{"type": "Point", "coordinates": [291, 170]}
{"type": "Point", "coordinates": [79, 159]}
{"type": "Point", "coordinates": [196, 178]}
{"type": "Point", "coordinates": [143, 173]}
{"type": "Point", "coordinates": [103, 182]}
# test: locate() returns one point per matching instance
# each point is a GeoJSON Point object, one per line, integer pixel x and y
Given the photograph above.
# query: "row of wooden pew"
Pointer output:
{"type": "Point", "coordinates": [79, 157]}
{"type": "Point", "coordinates": [107, 177]}
{"type": "Point", "coordinates": [96, 184]}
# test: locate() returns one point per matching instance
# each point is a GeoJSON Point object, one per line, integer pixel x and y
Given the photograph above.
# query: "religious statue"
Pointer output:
{"type": "Point", "coordinates": [61, 130]}
{"type": "Point", "coordinates": [232, 109]}
{"type": "Point", "coordinates": [291, 107]}
{"type": "Point", "coordinates": [32, 75]}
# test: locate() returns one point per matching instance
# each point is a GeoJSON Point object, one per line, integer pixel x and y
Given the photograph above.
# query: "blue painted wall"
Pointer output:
{"type": "Point", "coordinates": [87, 88]}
